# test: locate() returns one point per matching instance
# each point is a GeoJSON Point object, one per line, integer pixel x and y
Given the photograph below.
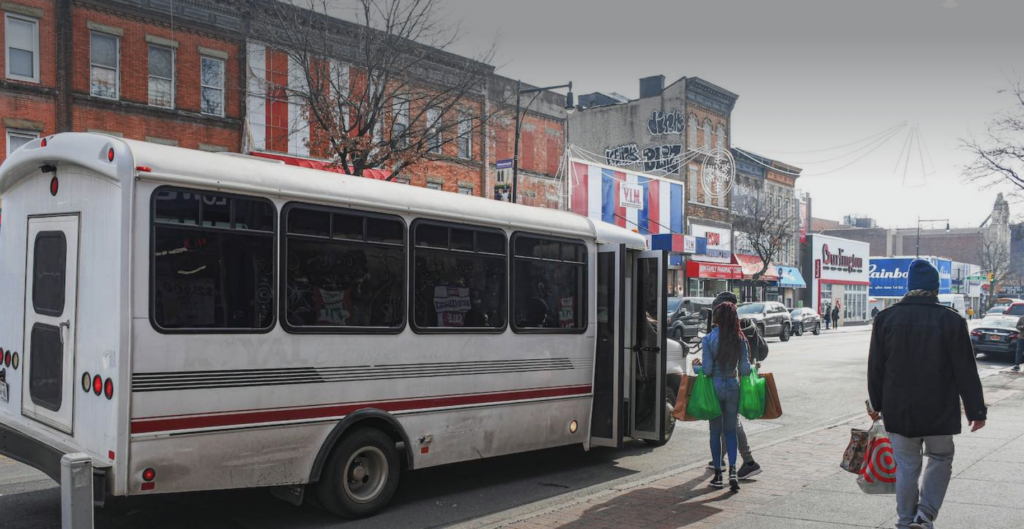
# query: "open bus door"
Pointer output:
{"type": "Point", "coordinates": [630, 362]}
{"type": "Point", "coordinates": [648, 358]}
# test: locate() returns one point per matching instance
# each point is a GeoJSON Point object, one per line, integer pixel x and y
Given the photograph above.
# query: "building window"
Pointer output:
{"type": "Point", "coordinates": [437, 186]}
{"type": "Point", "coordinates": [465, 190]}
{"type": "Point", "coordinates": [549, 284]}
{"type": "Point", "coordinates": [161, 76]}
{"type": "Point", "coordinates": [691, 138]}
{"type": "Point", "coordinates": [212, 86]}
{"type": "Point", "coordinates": [346, 270]}
{"type": "Point", "coordinates": [16, 138]}
{"type": "Point", "coordinates": [400, 128]}
{"type": "Point", "coordinates": [694, 184]}
{"type": "Point", "coordinates": [22, 48]}
{"type": "Point", "coordinates": [459, 276]}
{"type": "Point", "coordinates": [434, 142]}
{"type": "Point", "coordinates": [212, 263]}
{"type": "Point", "coordinates": [707, 134]}
{"type": "Point", "coordinates": [465, 136]}
{"type": "Point", "coordinates": [720, 137]}
{"type": "Point", "coordinates": [103, 62]}
{"type": "Point", "coordinates": [401, 180]}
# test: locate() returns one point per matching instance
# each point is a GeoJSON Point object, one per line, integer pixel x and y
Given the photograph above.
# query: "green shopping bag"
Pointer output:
{"type": "Point", "coordinates": [752, 395]}
{"type": "Point", "coordinates": [703, 403]}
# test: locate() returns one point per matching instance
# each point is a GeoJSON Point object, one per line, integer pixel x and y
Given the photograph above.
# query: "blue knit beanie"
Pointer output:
{"type": "Point", "coordinates": [922, 276]}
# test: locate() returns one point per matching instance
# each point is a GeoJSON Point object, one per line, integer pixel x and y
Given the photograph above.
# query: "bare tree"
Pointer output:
{"type": "Point", "coordinates": [994, 256]}
{"type": "Point", "coordinates": [381, 91]}
{"type": "Point", "coordinates": [766, 224]}
{"type": "Point", "coordinates": [999, 153]}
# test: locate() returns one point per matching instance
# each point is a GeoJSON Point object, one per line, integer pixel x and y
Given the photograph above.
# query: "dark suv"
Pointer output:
{"type": "Point", "coordinates": [771, 318]}
{"type": "Point", "coordinates": [684, 317]}
{"type": "Point", "coordinates": [805, 320]}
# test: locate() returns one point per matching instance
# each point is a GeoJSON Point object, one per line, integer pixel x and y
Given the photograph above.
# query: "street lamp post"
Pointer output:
{"type": "Point", "coordinates": [570, 107]}
{"type": "Point", "coordinates": [919, 221]}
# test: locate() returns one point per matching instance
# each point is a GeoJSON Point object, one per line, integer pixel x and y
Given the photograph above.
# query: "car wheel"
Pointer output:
{"type": "Point", "coordinates": [784, 335]}
{"type": "Point", "coordinates": [817, 329]}
{"type": "Point", "coordinates": [670, 421]}
{"type": "Point", "coordinates": [361, 474]}
{"type": "Point", "coordinates": [798, 329]}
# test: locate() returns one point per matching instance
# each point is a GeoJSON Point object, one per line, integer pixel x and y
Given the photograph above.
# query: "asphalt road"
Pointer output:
{"type": "Point", "coordinates": [821, 380]}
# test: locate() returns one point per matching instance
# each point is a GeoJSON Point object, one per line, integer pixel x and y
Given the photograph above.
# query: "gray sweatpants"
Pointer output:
{"type": "Point", "coordinates": [741, 441]}
{"type": "Point", "coordinates": [926, 498]}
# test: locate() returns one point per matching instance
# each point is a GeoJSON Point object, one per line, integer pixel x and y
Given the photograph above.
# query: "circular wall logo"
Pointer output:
{"type": "Point", "coordinates": [718, 173]}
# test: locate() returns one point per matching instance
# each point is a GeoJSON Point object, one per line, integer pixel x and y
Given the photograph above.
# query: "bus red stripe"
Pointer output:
{"type": "Point", "coordinates": [140, 426]}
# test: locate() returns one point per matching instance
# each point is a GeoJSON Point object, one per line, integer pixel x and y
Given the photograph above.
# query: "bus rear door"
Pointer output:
{"type": "Point", "coordinates": [648, 358]}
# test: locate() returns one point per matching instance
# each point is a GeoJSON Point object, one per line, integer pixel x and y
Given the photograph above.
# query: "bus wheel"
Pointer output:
{"type": "Point", "coordinates": [361, 474]}
{"type": "Point", "coordinates": [670, 421]}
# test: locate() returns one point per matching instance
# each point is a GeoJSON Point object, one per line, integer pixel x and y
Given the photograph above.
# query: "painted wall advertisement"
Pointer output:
{"type": "Point", "coordinates": [719, 243]}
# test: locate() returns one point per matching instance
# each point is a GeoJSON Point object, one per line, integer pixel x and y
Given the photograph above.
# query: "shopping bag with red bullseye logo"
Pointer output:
{"type": "Point", "coordinates": [878, 472]}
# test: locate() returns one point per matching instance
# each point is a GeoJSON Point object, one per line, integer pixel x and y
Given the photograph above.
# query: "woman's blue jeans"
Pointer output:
{"type": "Point", "coordinates": [728, 392]}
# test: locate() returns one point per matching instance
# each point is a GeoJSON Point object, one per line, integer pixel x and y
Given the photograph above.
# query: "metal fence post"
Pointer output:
{"type": "Point", "coordinates": [76, 491]}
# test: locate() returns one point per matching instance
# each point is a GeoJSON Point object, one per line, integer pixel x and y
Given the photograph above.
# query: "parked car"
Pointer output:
{"type": "Point", "coordinates": [771, 318]}
{"type": "Point", "coordinates": [1015, 309]}
{"type": "Point", "coordinates": [996, 335]}
{"type": "Point", "coordinates": [997, 310]}
{"type": "Point", "coordinates": [805, 319]}
{"type": "Point", "coordinates": [684, 317]}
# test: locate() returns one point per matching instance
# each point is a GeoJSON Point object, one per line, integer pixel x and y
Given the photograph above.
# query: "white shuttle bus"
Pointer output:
{"type": "Point", "coordinates": [196, 321]}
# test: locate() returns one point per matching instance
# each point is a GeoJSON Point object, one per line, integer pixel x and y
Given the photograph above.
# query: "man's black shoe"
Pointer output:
{"type": "Point", "coordinates": [749, 470]}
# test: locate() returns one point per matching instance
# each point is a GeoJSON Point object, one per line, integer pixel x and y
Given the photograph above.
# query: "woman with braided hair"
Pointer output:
{"type": "Point", "coordinates": [726, 358]}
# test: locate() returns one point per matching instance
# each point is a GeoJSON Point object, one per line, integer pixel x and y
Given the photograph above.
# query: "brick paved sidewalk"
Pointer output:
{"type": "Point", "coordinates": [803, 486]}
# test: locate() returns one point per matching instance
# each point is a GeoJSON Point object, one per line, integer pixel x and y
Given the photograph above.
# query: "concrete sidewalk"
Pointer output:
{"type": "Point", "coordinates": [803, 486]}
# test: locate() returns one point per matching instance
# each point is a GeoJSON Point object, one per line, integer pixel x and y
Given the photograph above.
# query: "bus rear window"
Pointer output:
{"type": "Point", "coordinates": [213, 262]}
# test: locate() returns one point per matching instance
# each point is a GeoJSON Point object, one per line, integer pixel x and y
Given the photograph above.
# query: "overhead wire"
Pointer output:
{"type": "Point", "coordinates": [876, 144]}
{"type": "Point", "coordinates": [862, 140]}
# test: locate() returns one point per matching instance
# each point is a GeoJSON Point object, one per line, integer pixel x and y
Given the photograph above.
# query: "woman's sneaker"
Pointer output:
{"type": "Point", "coordinates": [716, 482]}
{"type": "Point", "coordinates": [734, 481]}
{"type": "Point", "coordinates": [749, 470]}
{"type": "Point", "coordinates": [711, 465]}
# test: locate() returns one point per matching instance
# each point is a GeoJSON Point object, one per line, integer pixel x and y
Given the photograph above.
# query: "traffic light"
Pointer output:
{"type": "Point", "coordinates": [990, 277]}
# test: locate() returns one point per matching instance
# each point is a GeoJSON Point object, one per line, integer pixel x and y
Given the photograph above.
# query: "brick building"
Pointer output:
{"type": "Point", "coordinates": [182, 74]}
{"type": "Point", "coordinates": [121, 68]}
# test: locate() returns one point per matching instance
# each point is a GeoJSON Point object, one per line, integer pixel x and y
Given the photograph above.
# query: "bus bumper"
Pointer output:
{"type": "Point", "coordinates": [45, 457]}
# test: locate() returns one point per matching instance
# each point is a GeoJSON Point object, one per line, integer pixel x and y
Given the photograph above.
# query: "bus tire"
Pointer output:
{"type": "Point", "coordinates": [361, 475]}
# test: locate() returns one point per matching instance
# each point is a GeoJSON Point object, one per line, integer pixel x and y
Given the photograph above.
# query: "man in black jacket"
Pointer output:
{"type": "Point", "coordinates": [920, 367]}
{"type": "Point", "coordinates": [758, 352]}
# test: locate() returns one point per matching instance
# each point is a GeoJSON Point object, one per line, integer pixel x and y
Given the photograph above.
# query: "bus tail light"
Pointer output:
{"type": "Point", "coordinates": [14, 361]}
{"type": "Point", "coordinates": [108, 389]}
{"type": "Point", "coordinates": [86, 381]}
{"type": "Point", "coordinates": [97, 385]}
{"type": "Point", "coordinates": [110, 154]}
{"type": "Point", "coordinates": [7, 358]}
{"type": "Point", "coordinates": [43, 143]}
{"type": "Point", "coordinates": [149, 474]}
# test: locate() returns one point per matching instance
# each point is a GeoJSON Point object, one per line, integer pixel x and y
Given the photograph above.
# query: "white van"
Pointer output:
{"type": "Point", "coordinates": [956, 301]}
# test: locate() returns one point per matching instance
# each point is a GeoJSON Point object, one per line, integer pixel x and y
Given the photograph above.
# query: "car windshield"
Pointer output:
{"type": "Point", "coordinates": [752, 308]}
{"type": "Point", "coordinates": [796, 312]}
{"type": "Point", "coordinates": [673, 304]}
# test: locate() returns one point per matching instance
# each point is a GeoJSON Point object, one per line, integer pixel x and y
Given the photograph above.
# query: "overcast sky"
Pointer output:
{"type": "Point", "coordinates": [811, 74]}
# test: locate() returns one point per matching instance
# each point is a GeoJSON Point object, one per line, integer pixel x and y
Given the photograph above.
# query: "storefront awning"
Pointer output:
{"type": "Point", "coordinates": [752, 264]}
{"type": "Point", "coordinates": [702, 270]}
{"type": "Point", "coordinates": [319, 165]}
{"type": "Point", "coordinates": [790, 278]}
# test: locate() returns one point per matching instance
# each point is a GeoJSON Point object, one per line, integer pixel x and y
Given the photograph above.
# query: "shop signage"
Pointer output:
{"type": "Point", "coordinates": [817, 269]}
{"type": "Point", "coordinates": [699, 269]}
{"type": "Point", "coordinates": [888, 276]}
{"type": "Point", "coordinates": [837, 260]}
{"type": "Point", "coordinates": [719, 242]}
{"type": "Point", "coordinates": [689, 244]}
{"type": "Point", "coordinates": [631, 196]}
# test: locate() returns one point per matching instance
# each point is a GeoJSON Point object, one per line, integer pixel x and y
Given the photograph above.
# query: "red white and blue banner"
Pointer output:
{"type": "Point", "coordinates": [646, 203]}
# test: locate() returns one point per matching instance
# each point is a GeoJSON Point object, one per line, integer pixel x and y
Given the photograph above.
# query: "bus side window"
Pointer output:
{"type": "Point", "coordinates": [213, 262]}
{"type": "Point", "coordinates": [548, 284]}
{"type": "Point", "coordinates": [345, 270]}
{"type": "Point", "coordinates": [458, 277]}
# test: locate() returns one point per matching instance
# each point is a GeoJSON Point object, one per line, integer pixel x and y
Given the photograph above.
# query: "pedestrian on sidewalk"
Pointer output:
{"type": "Point", "coordinates": [835, 316]}
{"type": "Point", "coordinates": [758, 351]}
{"type": "Point", "coordinates": [920, 366]}
{"type": "Point", "coordinates": [1019, 357]}
{"type": "Point", "coordinates": [828, 317]}
{"type": "Point", "coordinates": [725, 360]}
